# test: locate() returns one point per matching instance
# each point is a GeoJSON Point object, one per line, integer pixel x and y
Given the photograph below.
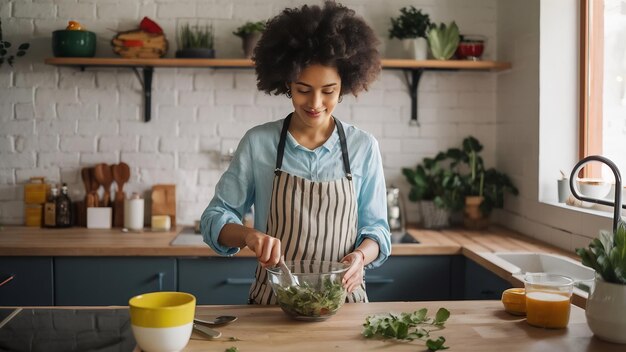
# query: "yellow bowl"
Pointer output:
{"type": "Point", "coordinates": [162, 321]}
{"type": "Point", "coordinates": [514, 301]}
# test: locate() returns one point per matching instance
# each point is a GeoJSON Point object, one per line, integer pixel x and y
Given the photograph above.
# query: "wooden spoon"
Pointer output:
{"type": "Point", "coordinates": [103, 174]}
{"type": "Point", "coordinates": [121, 175]}
{"type": "Point", "coordinates": [86, 176]}
{"type": "Point", "coordinates": [93, 189]}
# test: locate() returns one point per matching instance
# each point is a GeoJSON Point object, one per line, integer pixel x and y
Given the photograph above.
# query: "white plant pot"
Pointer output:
{"type": "Point", "coordinates": [416, 48]}
{"type": "Point", "coordinates": [605, 311]}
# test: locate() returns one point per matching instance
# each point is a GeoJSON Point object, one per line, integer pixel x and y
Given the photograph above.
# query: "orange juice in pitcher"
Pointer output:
{"type": "Point", "coordinates": [547, 309]}
{"type": "Point", "coordinates": [548, 300]}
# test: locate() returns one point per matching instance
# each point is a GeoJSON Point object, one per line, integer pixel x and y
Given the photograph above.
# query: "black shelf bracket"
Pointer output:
{"type": "Point", "coordinates": [412, 77]}
{"type": "Point", "coordinates": [146, 85]}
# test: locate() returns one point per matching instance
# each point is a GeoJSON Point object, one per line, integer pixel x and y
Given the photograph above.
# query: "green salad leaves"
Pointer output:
{"type": "Point", "coordinates": [408, 326]}
{"type": "Point", "coordinates": [306, 300]}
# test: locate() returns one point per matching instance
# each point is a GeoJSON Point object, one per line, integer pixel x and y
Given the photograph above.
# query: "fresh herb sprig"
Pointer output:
{"type": "Point", "coordinates": [408, 326]}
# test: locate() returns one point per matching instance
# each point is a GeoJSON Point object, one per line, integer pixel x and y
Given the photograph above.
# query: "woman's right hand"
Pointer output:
{"type": "Point", "coordinates": [266, 248]}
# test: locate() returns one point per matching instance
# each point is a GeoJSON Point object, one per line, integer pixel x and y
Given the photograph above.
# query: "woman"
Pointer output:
{"type": "Point", "coordinates": [317, 184]}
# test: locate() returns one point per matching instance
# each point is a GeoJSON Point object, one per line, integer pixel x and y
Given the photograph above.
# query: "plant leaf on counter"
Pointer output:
{"type": "Point", "coordinates": [406, 326]}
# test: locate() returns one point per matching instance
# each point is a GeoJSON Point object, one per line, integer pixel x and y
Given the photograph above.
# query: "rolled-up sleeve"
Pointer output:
{"type": "Point", "coordinates": [233, 197]}
{"type": "Point", "coordinates": [372, 206]}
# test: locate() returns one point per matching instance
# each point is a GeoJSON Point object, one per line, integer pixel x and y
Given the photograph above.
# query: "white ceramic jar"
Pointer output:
{"type": "Point", "coordinates": [605, 311]}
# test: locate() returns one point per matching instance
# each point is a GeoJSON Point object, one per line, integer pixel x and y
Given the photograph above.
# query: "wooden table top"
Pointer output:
{"type": "Point", "coordinates": [472, 326]}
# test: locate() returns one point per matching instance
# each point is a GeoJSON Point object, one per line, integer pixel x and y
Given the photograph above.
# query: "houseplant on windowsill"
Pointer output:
{"type": "Point", "coordinates": [195, 42]}
{"type": "Point", "coordinates": [250, 33]}
{"type": "Point", "coordinates": [436, 189]}
{"type": "Point", "coordinates": [607, 301]}
{"type": "Point", "coordinates": [411, 27]}
{"type": "Point", "coordinates": [483, 189]}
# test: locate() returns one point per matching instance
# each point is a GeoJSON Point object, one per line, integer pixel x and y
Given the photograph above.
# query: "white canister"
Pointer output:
{"type": "Point", "coordinates": [133, 212]}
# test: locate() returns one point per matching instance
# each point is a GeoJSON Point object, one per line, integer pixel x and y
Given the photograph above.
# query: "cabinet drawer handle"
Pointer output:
{"type": "Point", "coordinates": [7, 279]}
{"type": "Point", "coordinates": [239, 281]}
{"type": "Point", "coordinates": [379, 280]}
{"type": "Point", "coordinates": [160, 278]}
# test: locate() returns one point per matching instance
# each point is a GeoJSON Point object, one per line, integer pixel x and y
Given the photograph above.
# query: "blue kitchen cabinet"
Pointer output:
{"type": "Point", "coordinates": [96, 281]}
{"type": "Point", "coordinates": [30, 281]}
{"type": "Point", "coordinates": [217, 280]}
{"type": "Point", "coordinates": [481, 283]}
{"type": "Point", "coordinates": [410, 278]}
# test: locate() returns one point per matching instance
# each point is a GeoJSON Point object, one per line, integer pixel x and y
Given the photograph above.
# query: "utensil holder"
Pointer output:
{"type": "Point", "coordinates": [99, 218]}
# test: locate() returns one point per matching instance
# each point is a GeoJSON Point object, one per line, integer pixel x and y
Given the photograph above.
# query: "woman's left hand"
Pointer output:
{"type": "Point", "coordinates": [354, 276]}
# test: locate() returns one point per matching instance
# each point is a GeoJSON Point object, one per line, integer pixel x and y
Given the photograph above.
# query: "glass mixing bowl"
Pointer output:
{"type": "Point", "coordinates": [316, 293]}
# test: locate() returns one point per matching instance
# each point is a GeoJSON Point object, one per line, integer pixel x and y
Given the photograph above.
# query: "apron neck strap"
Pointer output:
{"type": "Point", "coordinates": [342, 141]}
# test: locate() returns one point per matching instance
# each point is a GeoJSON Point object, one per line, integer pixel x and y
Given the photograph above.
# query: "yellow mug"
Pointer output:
{"type": "Point", "coordinates": [162, 321]}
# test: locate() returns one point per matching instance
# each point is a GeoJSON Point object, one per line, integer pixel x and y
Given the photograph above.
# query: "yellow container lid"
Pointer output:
{"type": "Point", "coordinates": [514, 301]}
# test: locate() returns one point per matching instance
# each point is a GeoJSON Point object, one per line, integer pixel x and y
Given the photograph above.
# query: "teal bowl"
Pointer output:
{"type": "Point", "coordinates": [66, 43]}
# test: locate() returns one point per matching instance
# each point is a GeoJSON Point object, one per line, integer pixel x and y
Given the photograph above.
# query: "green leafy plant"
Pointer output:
{"type": "Point", "coordinates": [4, 52]}
{"type": "Point", "coordinates": [408, 326]}
{"type": "Point", "coordinates": [443, 40]}
{"type": "Point", "coordinates": [411, 23]}
{"type": "Point", "coordinates": [232, 349]}
{"type": "Point", "coordinates": [249, 28]}
{"type": "Point", "coordinates": [478, 181]}
{"type": "Point", "coordinates": [195, 37]}
{"type": "Point", "coordinates": [607, 255]}
{"type": "Point", "coordinates": [433, 180]}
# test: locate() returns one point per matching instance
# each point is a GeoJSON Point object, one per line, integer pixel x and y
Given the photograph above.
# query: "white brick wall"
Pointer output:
{"type": "Point", "coordinates": [55, 120]}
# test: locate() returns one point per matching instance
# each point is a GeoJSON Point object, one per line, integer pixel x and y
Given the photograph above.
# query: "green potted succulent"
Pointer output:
{"type": "Point", "coordinates": [607, 300]}
{"type": "Point", "coordinates": [443, 40]}
{"type": "Point", "coordinates": [411, 27]}
{"type": "Point", "coordinates": [195, 41]}
{"type": "Point", "coordinates": [436, 188]}
{"type": "Point", "coordinates": [484, 189]}
{"type": "Point", "coordinates": [250, 33]}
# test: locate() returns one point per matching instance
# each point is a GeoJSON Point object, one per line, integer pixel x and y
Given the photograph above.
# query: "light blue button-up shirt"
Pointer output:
{"type": "Point", "coordinates": [248, 181]}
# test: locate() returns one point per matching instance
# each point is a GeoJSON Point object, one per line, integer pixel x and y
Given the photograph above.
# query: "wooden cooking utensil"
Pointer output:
{"type": "Point", "coordinates": [103, 174]}
{"type": "Point", "coordinates": [95, 199]}
{"type": "Point", "coordinates": [121, 175]}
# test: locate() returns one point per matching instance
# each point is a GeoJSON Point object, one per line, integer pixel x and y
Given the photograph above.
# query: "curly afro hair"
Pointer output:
{"type": "Point", "coordinates": [329, 36]}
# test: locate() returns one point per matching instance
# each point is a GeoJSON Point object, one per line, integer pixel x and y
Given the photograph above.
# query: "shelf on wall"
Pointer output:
{"type": "Point", "coordinates": [413, 70]}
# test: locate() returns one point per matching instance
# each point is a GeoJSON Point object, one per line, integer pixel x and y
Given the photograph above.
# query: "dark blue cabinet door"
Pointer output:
{"type": "Point", "coordinates": [410, 278]}
{"type": "Point", "coordinates": [110, 280]}
{"type": "Point", "coordinates": [29, 281]}
{"type": "Point", "coordinates": [217, 280]}
{"type": "Point", "coordinates": [481, 283]}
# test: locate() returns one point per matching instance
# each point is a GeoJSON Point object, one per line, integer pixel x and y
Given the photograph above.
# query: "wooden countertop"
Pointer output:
{"type": "Point", "coordinates": [28, 241]}
{"type": "Point", "coordinates": [472, 326]}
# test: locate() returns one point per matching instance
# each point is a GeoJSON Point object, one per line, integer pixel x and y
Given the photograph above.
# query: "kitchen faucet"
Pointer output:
{"type": "Point", "coordinates": [617, 205]}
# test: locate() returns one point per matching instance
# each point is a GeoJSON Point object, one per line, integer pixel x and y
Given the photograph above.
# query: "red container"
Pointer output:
{"type": "Point", "coordinates": [471, 48]}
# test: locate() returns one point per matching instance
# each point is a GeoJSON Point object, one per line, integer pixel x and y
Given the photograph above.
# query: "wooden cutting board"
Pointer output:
{"type": "Point", "coordinates": [164, 201]}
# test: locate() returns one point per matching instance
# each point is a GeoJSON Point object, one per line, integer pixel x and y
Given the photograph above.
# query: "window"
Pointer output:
{"type": "Point", "coordinates": [603, 84]}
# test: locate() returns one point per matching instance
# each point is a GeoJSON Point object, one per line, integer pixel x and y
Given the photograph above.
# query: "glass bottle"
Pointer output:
{"type": "Point", "coordinates": [49, 218]}
{"type": "Point", "coordinates": [64, 208]}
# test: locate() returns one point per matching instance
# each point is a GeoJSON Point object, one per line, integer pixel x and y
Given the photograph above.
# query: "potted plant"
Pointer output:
{"type": "Point", "coordinates": [411, 27]}
{"type": "Point", "coordinates": [607, 300]}
{"type": "Point", "coordinates": [483, 189]}
{"type": "Point", "coordinates": [443, 40]}
{"type": "Point", "coordinates": [195, 41]}
{"type": "Point", "coordinates": [436, 189]}
{"type": "Point", "coordinates": [250, 33]}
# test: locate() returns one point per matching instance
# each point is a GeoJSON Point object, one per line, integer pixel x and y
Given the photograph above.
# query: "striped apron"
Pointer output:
{"type": "Point", "coordinates": [312, 220]}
